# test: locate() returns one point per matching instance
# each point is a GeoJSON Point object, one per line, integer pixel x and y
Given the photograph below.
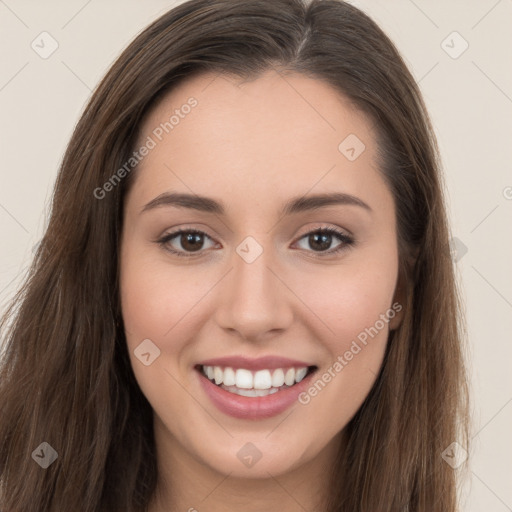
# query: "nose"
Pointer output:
{"type": "Point", "coordinates": [254, 300]}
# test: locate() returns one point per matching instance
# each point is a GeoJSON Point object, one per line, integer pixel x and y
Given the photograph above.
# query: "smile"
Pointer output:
{"type": "Point", "coordinates": [253, 389]}
{"type": "Point", "coordinates": [244, 382]}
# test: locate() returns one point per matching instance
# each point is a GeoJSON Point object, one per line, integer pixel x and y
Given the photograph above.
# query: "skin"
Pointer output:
{"type": "Point", "coordinates": [253, 146]}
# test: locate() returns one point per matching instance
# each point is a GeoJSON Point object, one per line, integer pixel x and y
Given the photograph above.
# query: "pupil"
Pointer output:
{"type": "Point", "coordinates": [325, 237]}
{"type": "Point", "coordinates": [193, 241]}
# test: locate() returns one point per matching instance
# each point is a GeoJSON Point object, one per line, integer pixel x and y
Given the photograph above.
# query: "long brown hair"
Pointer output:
{"type": "Point", "coordinates": [65, 376]}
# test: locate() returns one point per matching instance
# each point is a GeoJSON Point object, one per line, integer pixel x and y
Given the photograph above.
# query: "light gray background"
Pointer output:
{"type": "Point", "coordinates": [470, 102]}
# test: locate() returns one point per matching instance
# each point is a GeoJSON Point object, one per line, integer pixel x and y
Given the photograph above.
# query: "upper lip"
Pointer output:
{"type": "Point", "coordinates": [260, 363]}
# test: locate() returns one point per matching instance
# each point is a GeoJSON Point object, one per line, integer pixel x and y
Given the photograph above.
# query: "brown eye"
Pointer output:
{"type": "Point", "coordinates": [321, 240]}
{"type": "Point", "coordinates": [184, 242]}
{"type": "Point", "coordinates": [191, 241]}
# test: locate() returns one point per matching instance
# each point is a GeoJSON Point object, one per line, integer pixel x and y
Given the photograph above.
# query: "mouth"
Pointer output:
{"type": "Point", "coordinates": [247, 383]}
{"type": "Point", "coordinates": [254, 389]}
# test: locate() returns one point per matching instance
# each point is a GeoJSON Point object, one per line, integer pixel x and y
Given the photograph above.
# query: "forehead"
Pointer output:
{"type": "Point", "coordinates": [277, 132]}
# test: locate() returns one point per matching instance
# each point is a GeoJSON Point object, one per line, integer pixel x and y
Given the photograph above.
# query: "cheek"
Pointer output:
{"type": "Point", "coordinates": [353, 299]}
{"type": "Point", "coordinates": [157, 302]}
{"type": "Point", "coordinates": [356, 305]}
{"type": "Point", "coordinates": [158, 305]}
{"type": "Point", "coordinates": [353, 305]}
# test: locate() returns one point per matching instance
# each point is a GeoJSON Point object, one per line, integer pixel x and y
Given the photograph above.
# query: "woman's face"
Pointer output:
{"type": "Point", "coordinates": [256, 294]}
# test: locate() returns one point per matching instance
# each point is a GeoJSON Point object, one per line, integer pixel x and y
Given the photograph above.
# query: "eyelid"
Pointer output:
{"type": "Point", "coordinates": [346, 240]}
{"type": "Point", "coordinates": [167, 237]}
{"type": "Point", "coordinates": [322, 226]}
{"type": "Point", "coordinates": [345, 236]}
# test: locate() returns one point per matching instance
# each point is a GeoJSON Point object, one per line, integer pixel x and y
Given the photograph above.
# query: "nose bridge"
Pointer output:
{"type": "Point", "coordinates": [253, 300]}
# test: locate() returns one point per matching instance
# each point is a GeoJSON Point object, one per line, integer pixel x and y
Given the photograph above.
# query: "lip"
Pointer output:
{"type": "Point", "coordinates": [252, 408]}
{"type": "Point", "coordinates": [261, 363]}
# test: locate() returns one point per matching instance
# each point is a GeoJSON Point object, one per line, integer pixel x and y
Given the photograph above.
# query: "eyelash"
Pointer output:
{"type": "Point", "coordinates": [346, 240]}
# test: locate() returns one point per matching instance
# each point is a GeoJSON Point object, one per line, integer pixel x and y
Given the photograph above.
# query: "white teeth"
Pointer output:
{"type": "Point", "coordinates": [289, 377]}
{"type": "Point", "coordinates": [218, 375]}
{"type": "Point", "coordinates": [243, 379]}
{"type": "Point", "coordinates": [300, 374]}
{"type": "Point", "coordinates": [250, 392]}
{"type": "Point", "coordinates": [277, 378]}
{"type": "Point", "coordinates": [261, 380]}
{"type": "Point", "coordinates": [229, 377]}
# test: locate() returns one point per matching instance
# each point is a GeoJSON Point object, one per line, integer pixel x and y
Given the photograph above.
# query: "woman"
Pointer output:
{"type": "Point", "coordinates": [244, 298]}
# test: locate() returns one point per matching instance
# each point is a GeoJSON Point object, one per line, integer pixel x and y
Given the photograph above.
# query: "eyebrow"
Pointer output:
{"type": "Point", "coordinates": [293, 206]}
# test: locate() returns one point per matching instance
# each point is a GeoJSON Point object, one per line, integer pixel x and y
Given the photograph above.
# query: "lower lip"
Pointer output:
{"type": "Point", "coordinates": [253, 408]}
